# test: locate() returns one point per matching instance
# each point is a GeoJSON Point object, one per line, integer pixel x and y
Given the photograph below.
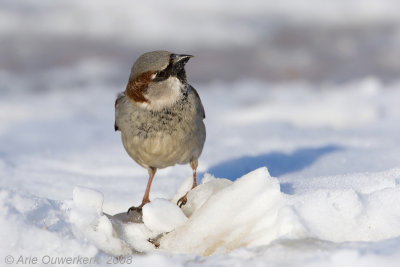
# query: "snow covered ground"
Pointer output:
{"type": "Point", "coordinates": [295, 172]}
{"type": "Point", "coordinates": [331, 200]}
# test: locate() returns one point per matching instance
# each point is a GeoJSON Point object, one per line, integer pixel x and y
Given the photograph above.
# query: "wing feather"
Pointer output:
{"type": "Point", "coordinates": [198, 96]}
{"type": "Point", "coordinates": [119, 97]}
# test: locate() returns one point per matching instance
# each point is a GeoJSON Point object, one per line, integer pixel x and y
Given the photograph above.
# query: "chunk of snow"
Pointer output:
{"type": "Point", "coordinates": [229, 218]}
{"type": "Point", "coordinates": [200, 194]}
{"type": "Point", "coordinates": [161, 215]}
{"type": "Point", "coordinates": [87, 217]}
{"type": "Point", "coordinates": [222, 215]}
{"type": "Point", "coordinates": [137, 235]}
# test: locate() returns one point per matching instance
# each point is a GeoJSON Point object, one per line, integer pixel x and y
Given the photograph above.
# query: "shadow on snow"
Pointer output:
{"type": "Point", "coordinates": [277, 163]}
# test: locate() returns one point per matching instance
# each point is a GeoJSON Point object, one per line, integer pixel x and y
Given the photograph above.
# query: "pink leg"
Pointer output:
{"type": "Point", "coordinates": [152, 172]}
{"type": "Point", "coordinates": [193, 165]}
{"type": "Point", "coordinates": [182, 201]}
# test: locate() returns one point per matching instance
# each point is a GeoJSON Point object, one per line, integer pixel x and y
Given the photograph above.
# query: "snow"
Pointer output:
{"type": "Point", "coordinates": [249, 212]}
{"type": "Point", "coordinates": [162, 216]}
{"type": "Point", "coordinates": [222, 18]}
{"type": "Point", "coordinates": [328, 197]}
{"type": "Point", "coordinates": [88, 199]}
{"type": "Point", "coordinates": [242, 214]}
{"type": "Point", "coordinates": [293, 173]}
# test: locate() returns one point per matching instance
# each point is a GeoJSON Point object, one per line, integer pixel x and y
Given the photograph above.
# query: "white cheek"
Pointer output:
{"type": "Point", "coordinates": [174, 93]}
{"type": "Point", "coordinates": [169, 92]}
{"type": "Point", "coordinates": [175, 85]}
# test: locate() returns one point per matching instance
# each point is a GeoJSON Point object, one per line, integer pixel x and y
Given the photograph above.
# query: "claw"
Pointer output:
{"type": "Point", "coordinates": [154, 241]}
{"type": "Point", "coordinates": [182, 201]}
{"type": "Point", "coordinates": [138, 209]}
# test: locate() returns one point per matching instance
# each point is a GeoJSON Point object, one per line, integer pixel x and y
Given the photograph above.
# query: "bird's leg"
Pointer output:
{"type": "Point", "coordinates": [152, 172]}
{"type": "Point", "coordinates": [182, 201]}
{"type": "Point", "coordinates": [193, 165]}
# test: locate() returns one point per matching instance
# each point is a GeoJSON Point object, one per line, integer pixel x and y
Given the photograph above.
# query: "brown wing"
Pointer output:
{"type": "Point", "coordinates": [198, 96]}
{"type": "Point", "coordinates": [119, 97]}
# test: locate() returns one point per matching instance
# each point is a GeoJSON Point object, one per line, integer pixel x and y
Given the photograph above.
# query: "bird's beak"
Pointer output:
{"type": "Point", "coordinates": [179, 61]}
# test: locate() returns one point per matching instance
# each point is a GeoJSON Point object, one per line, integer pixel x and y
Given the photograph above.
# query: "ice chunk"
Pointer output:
{"type": "Point", "coordinates": [162, 216]}
{"type": "Point", "coordinates": [137, 235]}
{"type": "Point", "coordinates": [87, 217]}
{"type": "Point", "coordinates": [199, 195]}
{"type": "Point", "coordinates": [222, 216]}
{"type": "Point", "coordinates": [229, 218]}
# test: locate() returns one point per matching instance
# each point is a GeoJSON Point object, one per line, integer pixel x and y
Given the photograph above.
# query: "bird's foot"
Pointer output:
{"type": "Point", "coordinates": [133, 208]}
{"type": "Point", "coordinates": [182, 201]}
{"type": "Point", "coordinates": [154, 241]}
{"type": "Point", "coordinates": [139, 209]}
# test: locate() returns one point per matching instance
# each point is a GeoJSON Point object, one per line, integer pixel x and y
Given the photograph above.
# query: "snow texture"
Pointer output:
{"type": "Point", "coordinates": [330, 199]}
{"type": "Point", "coordinates": [162, 216]}
{"type": "Point", "coordinates": [249, 212]}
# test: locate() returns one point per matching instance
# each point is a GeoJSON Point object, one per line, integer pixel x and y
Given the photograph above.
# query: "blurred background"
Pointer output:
{"type": "Point", "coordinates": [50, 44]}
{"type": "Point", "coordinates": [307, 88]}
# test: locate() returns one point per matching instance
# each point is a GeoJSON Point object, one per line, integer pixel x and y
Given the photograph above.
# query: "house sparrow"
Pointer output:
{"type": "Point", "coordinates": [160, 116]}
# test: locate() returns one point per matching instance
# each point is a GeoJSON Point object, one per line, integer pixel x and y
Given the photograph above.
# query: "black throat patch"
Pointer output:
{"type": "Point", "coordinates": [169, 71]}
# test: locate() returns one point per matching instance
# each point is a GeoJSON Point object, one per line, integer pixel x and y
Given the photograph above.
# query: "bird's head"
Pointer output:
{"type": "Point", "coordinates": [157, 79]}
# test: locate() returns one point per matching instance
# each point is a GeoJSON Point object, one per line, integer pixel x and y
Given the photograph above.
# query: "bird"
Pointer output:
{"type": "Point", "coordinates": [160, 117]}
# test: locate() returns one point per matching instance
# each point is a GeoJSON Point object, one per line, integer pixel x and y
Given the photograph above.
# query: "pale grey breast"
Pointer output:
{"type": "Point", "coordinates": [173, 135]}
